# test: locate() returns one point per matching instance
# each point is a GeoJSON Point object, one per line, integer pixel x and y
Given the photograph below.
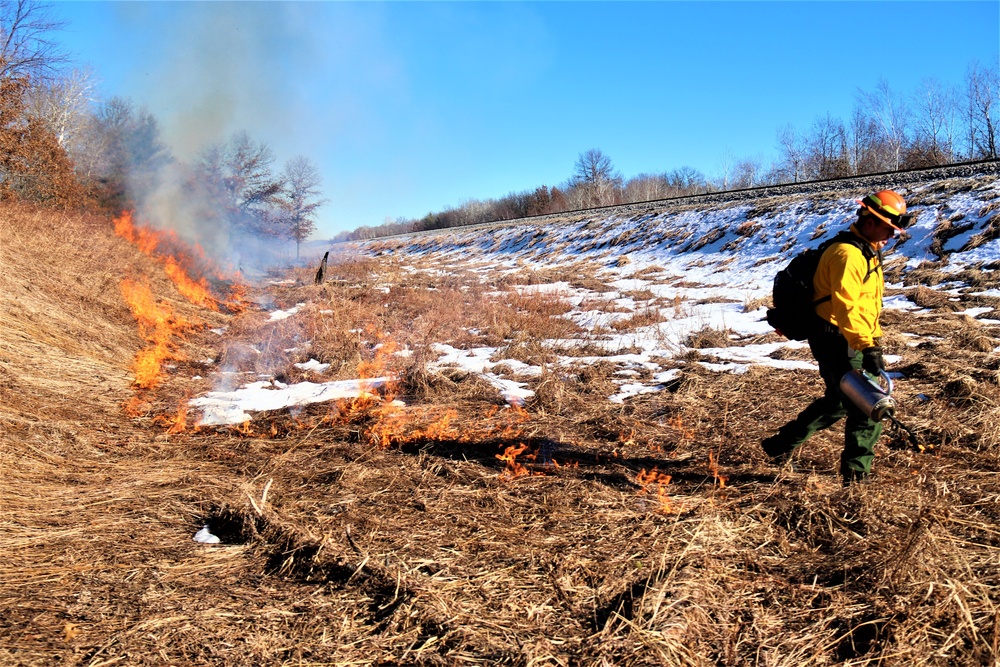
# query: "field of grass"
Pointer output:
{"type": "Point", "coordinates": [457, 529]}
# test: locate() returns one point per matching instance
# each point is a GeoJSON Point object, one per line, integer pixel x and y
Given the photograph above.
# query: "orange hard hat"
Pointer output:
{"type": "Point", "coordinates": [886, 205]}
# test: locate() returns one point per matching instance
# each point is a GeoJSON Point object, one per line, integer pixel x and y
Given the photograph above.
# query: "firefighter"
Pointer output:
{"type": "Point", "coordinates": [847, 336]}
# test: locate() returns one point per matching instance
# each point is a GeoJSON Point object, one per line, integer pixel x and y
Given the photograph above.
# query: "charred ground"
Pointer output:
{"type": "Point", "coordinates": [353, 537]}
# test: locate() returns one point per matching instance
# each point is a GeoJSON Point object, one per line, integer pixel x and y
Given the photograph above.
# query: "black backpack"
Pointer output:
{"type": "Point", "coordinates": [794, 312]}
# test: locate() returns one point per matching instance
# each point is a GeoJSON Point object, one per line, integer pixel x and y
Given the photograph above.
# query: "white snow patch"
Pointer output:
{"type": "Point", "coordinates": [313, 365]}
{"type": "Point", "coordinates": [278, 315]}
{"type": "Point", "coordinates": [233, 407]}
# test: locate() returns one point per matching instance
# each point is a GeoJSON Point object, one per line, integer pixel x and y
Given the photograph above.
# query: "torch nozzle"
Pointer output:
{"type": "Point", "coordinates": [910, 435]}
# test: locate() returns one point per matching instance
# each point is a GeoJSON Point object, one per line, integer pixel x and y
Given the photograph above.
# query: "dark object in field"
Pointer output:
{"type": "Point", "coordinates": [321, 272]}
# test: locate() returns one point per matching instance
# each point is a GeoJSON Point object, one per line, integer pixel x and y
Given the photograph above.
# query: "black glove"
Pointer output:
{"type": "Point", "coordinates": [872, 360]}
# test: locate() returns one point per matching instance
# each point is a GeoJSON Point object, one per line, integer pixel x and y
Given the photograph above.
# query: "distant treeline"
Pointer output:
{"type": "Point", "coordinates": [935, 125]}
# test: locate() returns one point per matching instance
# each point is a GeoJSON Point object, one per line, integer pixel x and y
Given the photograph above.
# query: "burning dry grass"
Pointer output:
{"type": "Point", "coordinates": [576, 531]}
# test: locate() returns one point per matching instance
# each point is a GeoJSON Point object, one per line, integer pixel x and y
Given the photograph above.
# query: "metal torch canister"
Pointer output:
{"type": "Point", "coordinates": [866, 393]}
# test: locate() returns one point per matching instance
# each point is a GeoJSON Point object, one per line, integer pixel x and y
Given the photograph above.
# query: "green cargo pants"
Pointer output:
{"type": "Point", "coordinates": [835, 358]}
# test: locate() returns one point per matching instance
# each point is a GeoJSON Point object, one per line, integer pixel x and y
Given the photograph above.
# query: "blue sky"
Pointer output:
{"type": "Point", "coordinates": [413, 107]}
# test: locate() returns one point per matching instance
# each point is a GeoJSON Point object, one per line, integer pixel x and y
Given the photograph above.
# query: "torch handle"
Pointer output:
{"type": "Point", "coordinates": [888, 382]}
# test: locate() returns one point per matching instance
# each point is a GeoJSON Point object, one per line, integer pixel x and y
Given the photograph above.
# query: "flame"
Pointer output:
{"type": "Point", "coordinates": [513, 469]}
{"type": "Point", "coordinates": [389, 423]}
{"type": "Point", "coordinates": [194, 291]}
{"type": "Point", "coordinates": [158, 326]}
{"type": "Point", "coordinates": [393, 426]}
{"type": "Point", "coordinates": [654, 476]}
{"type": "Point", "coordinates": [378, 364]}
{"type": "Point", "coordinates": [441, 429]}
{"type": "Point", "coordinates": [143, 238]}
{"type": "Point", "coordinates": [512, 419]}
{"type": "Point", "coordinates": [713, 467]}
{"type": "Point", "coordinates": [135, 407]}
{"type": "Point", "coordinates": [666, 504]}
{"type": "Point", "coordinates": [238, 301]}
{"type": "Point", "coordinates": [369, 399]}
{"type": "Point", "coordinates": [185, 264]}
{"type": "Point", "coordinates": [677, 424]}
{"type": "Point", "coordinates": [178, 422]}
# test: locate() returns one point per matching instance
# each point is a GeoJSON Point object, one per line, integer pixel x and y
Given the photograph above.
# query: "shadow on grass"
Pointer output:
{"type": "Point", "coordinates": [542, 455]}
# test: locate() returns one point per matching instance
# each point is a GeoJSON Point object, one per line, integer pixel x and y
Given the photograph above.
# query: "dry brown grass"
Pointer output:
{"type": "Point", "coordinates": [709, 337]}
{"type": "Point", "coordinates": [640, 295]}
{"type": "Point", "coordinates": [750, 305]}
{"type": "Point", "coordinates": [973, 336]}
{"type": "Point", "coordinates": [644, 317]}
{"type": "Point", "coordinates": [933, 299]}
{"type": "Point", "coordinates": [603, 305]}
{"type": "Point", "coordinates": [653, 272]}
{"type": "Point", "coordinates": [431, 552]}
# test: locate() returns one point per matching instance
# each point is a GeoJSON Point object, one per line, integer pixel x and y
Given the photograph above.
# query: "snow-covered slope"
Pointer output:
{"type": "Point", "coordinates": [738, 245]}
{"type": "Point", "coordinates": [718, 263]}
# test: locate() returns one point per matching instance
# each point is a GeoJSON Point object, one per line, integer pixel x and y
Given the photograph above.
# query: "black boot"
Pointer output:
{"type": "Point", "coordinates": [777, 449]}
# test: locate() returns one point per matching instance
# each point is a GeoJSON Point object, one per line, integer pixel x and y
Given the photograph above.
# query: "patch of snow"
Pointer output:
{"type": "Point", "coordinates": [900, 302]}
{"type": "Point", "coordinates": [313, 365]}
{"type": "Point", "coordinates": [544, 288]}
{"type": "Point", "coordinates": [203, 536]}
{"type": "Point", "coordinates": [976, 312]}
{"type": "Point", "coordinates": [477, 361]}
{"type": "Point", "coordinates": [233, 407]}
{"type": "Point", "coordinates": [278, 315]}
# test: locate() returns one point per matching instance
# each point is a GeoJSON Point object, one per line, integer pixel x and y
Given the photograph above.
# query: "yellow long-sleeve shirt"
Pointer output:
{"type": "Point", "coordinates": [855, 304]}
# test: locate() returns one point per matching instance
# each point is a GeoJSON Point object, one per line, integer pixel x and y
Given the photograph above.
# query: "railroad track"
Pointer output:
{"type": "Point", "coordinates": [863, 183]}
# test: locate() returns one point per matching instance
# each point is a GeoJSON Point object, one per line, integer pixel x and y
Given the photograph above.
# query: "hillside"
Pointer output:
{"type": "Point", "coordinates": [521, 445]}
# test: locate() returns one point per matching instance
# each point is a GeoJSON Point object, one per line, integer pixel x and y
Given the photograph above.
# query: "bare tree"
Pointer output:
{"type": "Point", "coordinates": [62, 104]}
{"type": "Point", "coordinates": [748, 172]}
{"type": "Point", "coordinates": [676, 183]}
{"type": "Point", "coordinates": [792, 153]}
{"type": "Point", "coordinates": [726, 164]}
{"type": "Point", "coordinates": [647, 187]}
{"type": "Point", "coordinates": [301, 198]}
{"type": "Point", "coordinates": [863, 143]}
{"type": "Point", "coordinates": [117, 150]}
{"type": "Point", "coordinates": [687, 181]}
{"type": "Point", "coordinates": [242, 169]}
{"type": "Point", "coordinates": [237, 178]}
{"type": "Point", "coordinates": [935, 114]}
{"type": "Point", "coordinates": [827, 148]}
{"type": "Point", "coordinates": [891, 115]}
{"type": "Point", "coordinates": [983, 99]}
{"type": "Point", "coordinates": [26, 44]}
{"type": "Point", "coordinates": [595, 177]}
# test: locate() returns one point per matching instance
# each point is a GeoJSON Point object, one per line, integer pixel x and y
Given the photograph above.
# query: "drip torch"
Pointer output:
{"type": "Point", "coordinates": [877, 402]}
